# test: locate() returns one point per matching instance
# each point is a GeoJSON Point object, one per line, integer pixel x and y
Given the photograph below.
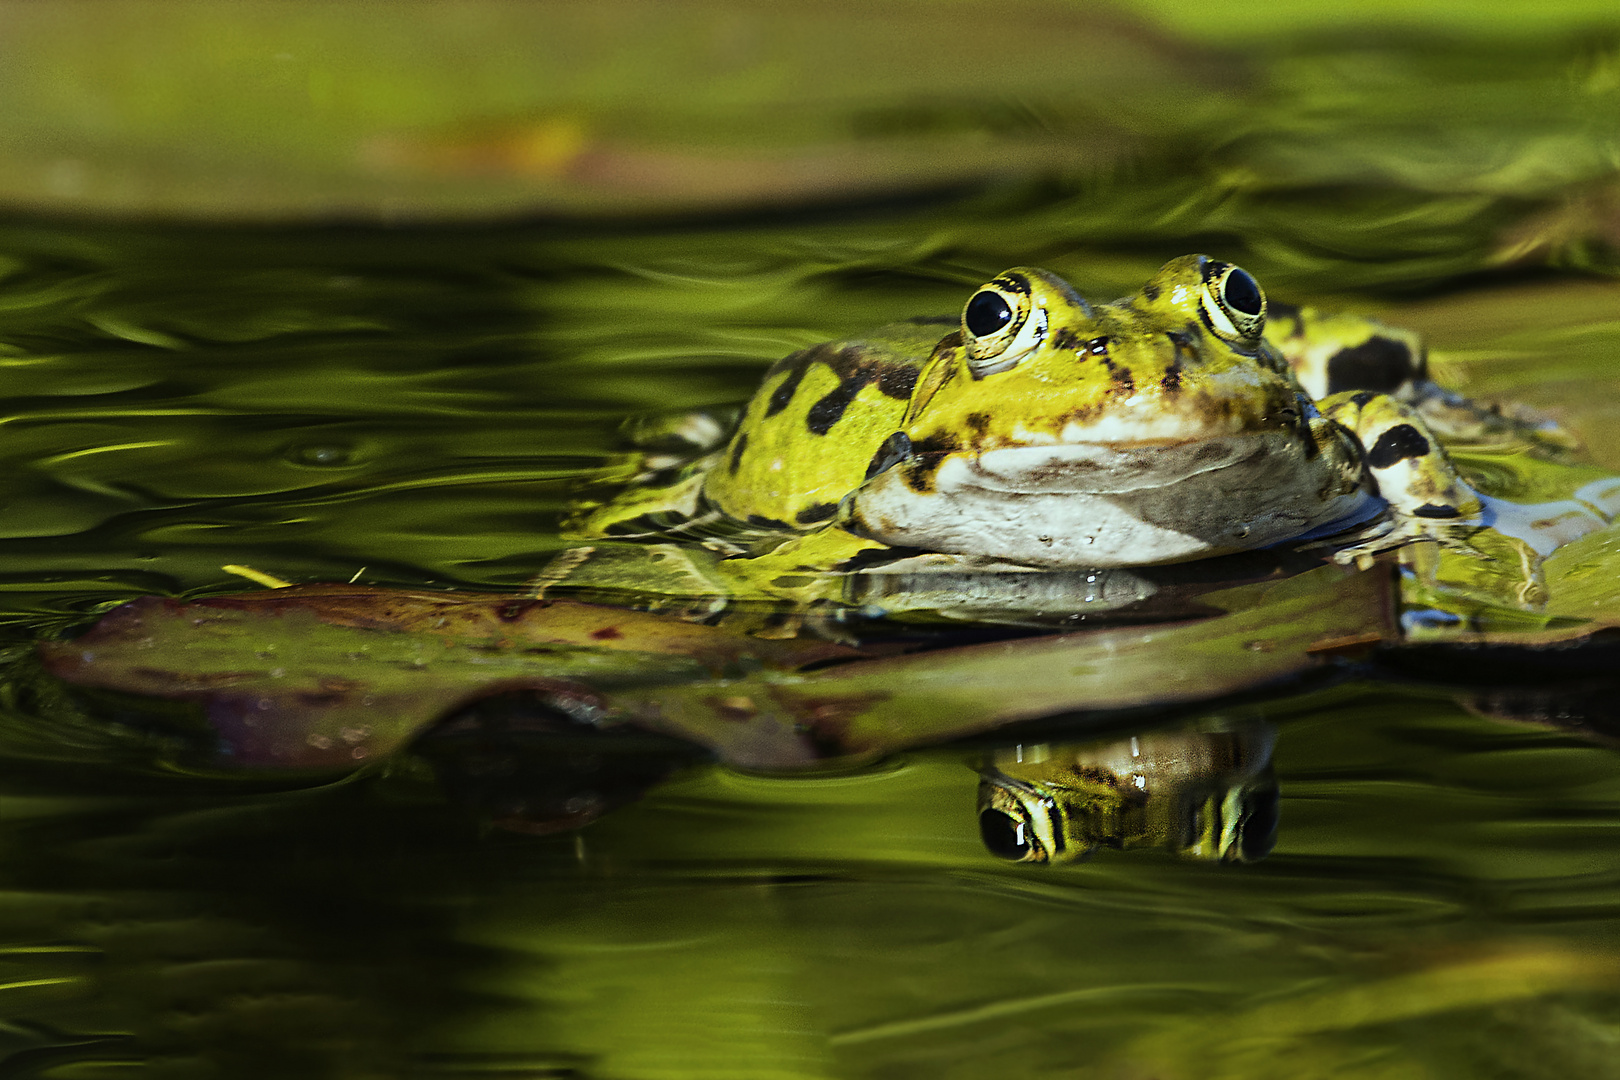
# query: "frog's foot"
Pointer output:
{"type": "Point", "coordinates": [1427, 498]}
{"type": "Point", "coordinates": [1393, 530]}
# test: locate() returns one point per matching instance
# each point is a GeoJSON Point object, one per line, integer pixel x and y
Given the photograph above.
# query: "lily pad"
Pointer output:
{"type": "Point", "coordinates": [327, 675]}
{"type": "Point", "coordinates": [331, 676]}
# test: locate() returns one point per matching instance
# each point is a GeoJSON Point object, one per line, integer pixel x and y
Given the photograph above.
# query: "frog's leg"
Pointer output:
{"type": "Point", "coordinates": [1427, 497]}
{"type": "Point", "coordinates": [646, 503]}
{"type": "Point", "coordinates": [1334, 352]}
{"type": "Point", "coordinates": [696, 431]}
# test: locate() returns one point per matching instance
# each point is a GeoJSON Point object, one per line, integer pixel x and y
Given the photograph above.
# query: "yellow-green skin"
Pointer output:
{"type": "Point", "coordinates": [1148, 430]}
{"type": "Point", "coordinates": [1206, 794]}
{"type": "Point", "coordinates": [810, 431]}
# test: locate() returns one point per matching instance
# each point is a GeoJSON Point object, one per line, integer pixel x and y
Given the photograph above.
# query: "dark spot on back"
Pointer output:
{"type": "Point", "coordinates": [1097, 346]}
{"type": "Point", "coordinates": [1435, 510]}
{"type": "Point", "coordinates": [1379, 363]}
{"type": "Point", "coordinates": [979, 422]}
{"type": "Point", "coordinates": [1362, 398]}
{"type": "Point", "coordinates": [790, 386]}
{"type": "Point", "coordinates": [1171, 380]}
{"type": "Point", "coordinates": [738, 448]}
{"type": "Point", "coordinates": [1150, 291]}
{"type": "Point", "coordinates": [891, 453]}
{"type": "Point", "coordinates": [898, 381]}
{"type": "Point", "coordinates": [1123, 383]}
{"type": "Point", "coordinates": [763, 522]}
{"type": "Point", "coordinates": [830, 409]}
{"type": "Point", "coordinates": [607, 633]}
{"type": "Point", "coordinates": [1064, 340]}
{"type": "Point", "coordinates": [855, 364]}
{"type": "Point", "coordinates": [1397, 444]}
{"type": "Point", "coordinates": [816, 512]}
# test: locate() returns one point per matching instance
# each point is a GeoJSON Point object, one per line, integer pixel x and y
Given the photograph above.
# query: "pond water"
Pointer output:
{"type": "Point", "coordinates": [416, 406]}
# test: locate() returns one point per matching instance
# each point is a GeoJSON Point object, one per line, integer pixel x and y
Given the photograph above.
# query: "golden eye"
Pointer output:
{"type": "Point", "coordinates": [1233, 302]}
{"type": "Point", "coordinates": [1001, 324]}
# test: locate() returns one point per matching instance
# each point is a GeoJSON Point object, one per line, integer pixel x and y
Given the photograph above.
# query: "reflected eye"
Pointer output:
{"type": "Point", "coordinates": [1257, 825]}
{"type": "Point", "coordinates": [1004, 836]}
{"type": "Point", "coordinates": [1233, 302]}
{"type": "Point", "coordinates": [987, 313]}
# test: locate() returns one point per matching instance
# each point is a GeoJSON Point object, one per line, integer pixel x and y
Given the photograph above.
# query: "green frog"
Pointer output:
{"type": "Point", "coordinates": [1204, 794]}
{"type": "Point", "coordinates": [1039, 431]}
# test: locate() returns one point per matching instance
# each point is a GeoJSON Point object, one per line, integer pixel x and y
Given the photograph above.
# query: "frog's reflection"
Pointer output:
{"type": "Point", "coordinates": [1206, 794]}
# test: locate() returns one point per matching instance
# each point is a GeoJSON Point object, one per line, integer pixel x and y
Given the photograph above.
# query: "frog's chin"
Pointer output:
{"type": "Point", "coordinates": [1111, 504]}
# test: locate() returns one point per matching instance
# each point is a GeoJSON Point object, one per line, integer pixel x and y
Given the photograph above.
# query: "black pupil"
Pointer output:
{"type": "Point", "coordinates": [1003, 835]}
{"type": "Point", "coordinates": [1257, 828]}
{"type": "Point", "coordinates": [1242, 292]}
{"type": "Point", "coordinates": [986, 313]}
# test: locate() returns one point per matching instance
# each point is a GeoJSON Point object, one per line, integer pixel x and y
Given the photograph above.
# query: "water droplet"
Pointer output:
{"type": "Point", "coordinates": [320, 455]}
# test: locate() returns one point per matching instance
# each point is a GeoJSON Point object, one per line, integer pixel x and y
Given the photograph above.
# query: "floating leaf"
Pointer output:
{"type": "Point", "coordinates": [335, 675]}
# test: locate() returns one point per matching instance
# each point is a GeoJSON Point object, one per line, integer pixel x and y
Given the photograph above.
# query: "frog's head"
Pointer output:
{"type": "Point", "coordinates": [1021, 821]}
{"type": "Point", "coordinates": [1158, 428]}
{"type": "Point", "coordinates": [1203, 794]}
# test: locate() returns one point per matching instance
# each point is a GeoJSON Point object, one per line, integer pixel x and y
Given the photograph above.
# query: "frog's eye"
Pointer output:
{"type": "Point", "coordinates": [1001, 325]}
{"type": "Point", "coordinates": [987, 314]}
{"type": "Point", "coordinates": [1007, 837]}
{"type": "Point", "coordinates": [1233, 302]}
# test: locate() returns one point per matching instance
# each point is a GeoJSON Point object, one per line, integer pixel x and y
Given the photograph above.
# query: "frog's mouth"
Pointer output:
{"type": "Point", "coordinates": [1104, 468]}
{"type": "Point", "coordinates": [1110, 503]}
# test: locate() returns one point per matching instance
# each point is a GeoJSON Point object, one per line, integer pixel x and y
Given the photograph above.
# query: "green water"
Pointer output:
{"type": "Point", "coordinates": [413, 405]}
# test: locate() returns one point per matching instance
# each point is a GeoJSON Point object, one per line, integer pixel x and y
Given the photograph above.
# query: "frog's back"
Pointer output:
{"type": "Point", "coordinates": [811, 432]}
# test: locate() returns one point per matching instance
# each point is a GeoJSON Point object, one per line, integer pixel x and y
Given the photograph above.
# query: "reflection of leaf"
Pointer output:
{"type": "Point", "coordinates": [332, 675]}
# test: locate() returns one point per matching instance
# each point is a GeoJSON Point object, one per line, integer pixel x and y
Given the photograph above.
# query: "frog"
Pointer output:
{"type": "Point", "coordinates": [1206, 792]}
{"type": "Point", "coordinates": [1190, 420]}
